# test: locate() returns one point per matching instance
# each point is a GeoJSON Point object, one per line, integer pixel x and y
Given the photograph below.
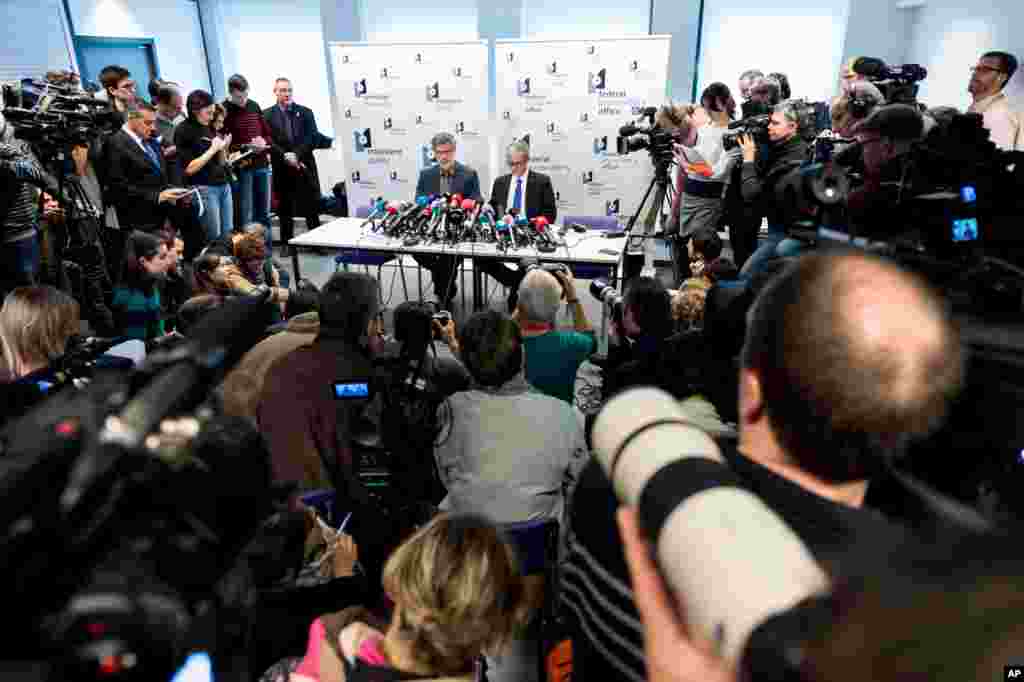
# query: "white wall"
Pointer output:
{"type": "Point", "coordinates": [948, 37]}
{"type": "Point", "coordinates": [585, 18]}
{"type": "Point", "coordinates": [801, 38]}
{"type": "Point", "coordinates": [266, 39]}
{"type": "Point", "coordinates": [876, 28]}
{"type": "Point", "coordinates": [418, 20]}
{"type": "Point", "coordinates": [33, 39]}
{"type": "Point", "coordinates": [173, 24]}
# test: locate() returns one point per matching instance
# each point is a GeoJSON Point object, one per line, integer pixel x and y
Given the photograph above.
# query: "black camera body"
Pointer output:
{"type": "Point", "coordinates": [754, 126]}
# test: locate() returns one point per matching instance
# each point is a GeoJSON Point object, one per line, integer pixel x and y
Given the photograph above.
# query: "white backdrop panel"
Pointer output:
{"type": "Point", "coordinates": [569, 98]}
{"type": "Point", "coordinates": [393, 97]}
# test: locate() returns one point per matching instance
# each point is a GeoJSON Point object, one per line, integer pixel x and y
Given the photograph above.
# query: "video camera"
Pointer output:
{"type": "Point", "coordinates": [111, 490]}
{"type": "Point", "coordinates": [898, 84]}
{"type": "Point", "coordinates": [645, 134]}
{"type": "Point", "coordinates": [56, 117]}
{"type": "Point", "coordinates": [754, 126]}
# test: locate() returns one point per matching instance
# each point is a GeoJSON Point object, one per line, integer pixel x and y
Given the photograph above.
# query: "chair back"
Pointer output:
{"type": "Point", "coordinates": [603, 223]}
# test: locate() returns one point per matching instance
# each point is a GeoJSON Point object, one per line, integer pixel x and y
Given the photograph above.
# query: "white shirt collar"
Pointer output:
{"type": "Point", "coordinates": [983, 105]}
{"type": "Point", "coordinates": [135, 137]}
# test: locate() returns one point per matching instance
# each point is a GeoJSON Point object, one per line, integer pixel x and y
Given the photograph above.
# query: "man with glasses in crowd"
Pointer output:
{"type": "Point", "coordinates": [120, 88]}
{"type": "Point", "coordinates": [987, 87]}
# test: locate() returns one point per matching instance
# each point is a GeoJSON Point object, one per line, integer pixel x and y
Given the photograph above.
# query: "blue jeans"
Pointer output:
{"type": "Point", "coordinates": [217, 219]}
{"type": "Point", "coordinates": [775, 245]}
{"type": "Point", "coordinates": [19, 262]}
{"type": "Point", "coordinates": [253, 189]}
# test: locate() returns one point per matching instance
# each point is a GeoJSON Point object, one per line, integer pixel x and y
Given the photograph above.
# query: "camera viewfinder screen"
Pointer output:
{"type": "Point", "coordinates": [965, 230]}
{"type": "Point", "coordinates": [349, 391]}
{"type": "Point", "coordinates": [968, 194]}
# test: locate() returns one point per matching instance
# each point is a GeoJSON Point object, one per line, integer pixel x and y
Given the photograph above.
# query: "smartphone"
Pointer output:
{"type": "Point", "coordinates": [198, 667]}
{"type": "Point", "coordinates": [345, 390]}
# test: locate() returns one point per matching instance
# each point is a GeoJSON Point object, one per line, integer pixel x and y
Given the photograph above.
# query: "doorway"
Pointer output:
{"type": "Point", "coordinates": [138, 55]}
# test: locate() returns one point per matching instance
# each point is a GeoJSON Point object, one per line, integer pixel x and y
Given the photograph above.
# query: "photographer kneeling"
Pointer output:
{"type": "Point", "coordinates": [763, 166]}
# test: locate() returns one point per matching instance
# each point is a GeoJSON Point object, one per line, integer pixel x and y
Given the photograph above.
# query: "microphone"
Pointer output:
{"type": "Point", "coordinates": [709, 532]}
{"type": "Point", "coordinates": [391, 212]}
{"type": "Point", "coordinates": [378, 210]}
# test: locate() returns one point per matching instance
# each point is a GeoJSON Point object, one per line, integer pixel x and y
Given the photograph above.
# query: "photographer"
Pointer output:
{"type": "Point", "coordinates": [20, 174]}
{"type": "Point", "coordinates": [887, 138]}
{"type": "Point", "coordinates": [636, 345]}
{"type": "Point", "coordinates": [553, 356]}
{"type": "Point", "coordinates": [763, 166]}
{"type": "Point", "coordinates": [417, 372]}
{"type": "Point", "coordinates": [705, 167]}
{"type": "Point", "coordinates": [858, 101]}
{"type": "Point", "coordinates": [834, 382]}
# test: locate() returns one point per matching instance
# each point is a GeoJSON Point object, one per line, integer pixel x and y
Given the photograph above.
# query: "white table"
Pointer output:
{"type": "Point", "coordinates": [348, 234]}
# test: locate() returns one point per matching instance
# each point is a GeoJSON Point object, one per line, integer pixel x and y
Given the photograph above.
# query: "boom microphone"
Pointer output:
{"type": "Point", "coordinates": [712, 536]}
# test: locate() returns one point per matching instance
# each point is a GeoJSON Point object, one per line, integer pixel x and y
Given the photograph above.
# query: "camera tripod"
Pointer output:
{"type": "Point", "coordinates": [662, 189]}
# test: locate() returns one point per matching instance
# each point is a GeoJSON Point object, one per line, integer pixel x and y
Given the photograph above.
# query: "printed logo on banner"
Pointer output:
{"type": "Point", "coordinates": [348, 113]}
{"type": "Point", "coordinates": [558, 196]}
{"type": "Point", "coordinates": [523, 137]}
{"type": "Point", "coordinates": [460, 127]}
{"type": "Point", "coordinates": [598, 81]}
{"type": "Point", "coordinates": [587, 177]}
{"type": "Point", "coordinates": [433, 92]}
{"type": "Point", "coordinates": [344, 59]}
{"type": "Point", "coordinates": [523, 86]}
{"type": "Point", "coordinates": [591, 49]}
{"type": "Point", "coordinates": [418, 58]}
{"type": "Point", "coordinates": [362, 139]}
{"type": "Point", "coordinates": [511, 57]}
{"type": "Point", "coordinates": [634, 65]}
{"type": "Point", "coordinates": [355, 176]}
{"type": "Point", "coordinates": [552, 128]}
{"type": "Point", "coordinates": [457, 72]}
{"type": "Point", "coordinates": [585, 117]}
{"type": "Point", "coordinates": [638, 110]}
{"type": "Point", "coordinates": [506, 115]}
{"type": "Point", "coordinates": [552, 68]}
{"type": "Point", "coordinates": [384, 73]}
{"type": "Point", "coordinates": [419, 119]}
{"type": "Point", "coordinates": [393, 176]}
{"type": "Point", "coordinates": [359, 87]}
{"type": "Point", "coordinates": [387, 123]}
{"type": "Point", "coordinates": [611, 208]}
{"type": "Point", "coordinates": [601, 145]}
{"type": "Point", "coordinates": [426, 159]}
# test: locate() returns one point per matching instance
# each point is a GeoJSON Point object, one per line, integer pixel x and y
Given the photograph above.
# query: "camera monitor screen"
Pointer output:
{"type": "Point", "coordinates": [965, 230]}
{"type": "Point", "coordinates": [351, 390]}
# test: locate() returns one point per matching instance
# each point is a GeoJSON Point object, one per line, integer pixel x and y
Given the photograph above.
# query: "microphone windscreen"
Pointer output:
{"type": "Point", "coordinates": [468, 204]}
{"type": "Point", "coordinates": [869, 67]}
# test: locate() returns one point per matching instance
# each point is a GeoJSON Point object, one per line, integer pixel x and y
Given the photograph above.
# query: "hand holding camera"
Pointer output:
{"type": "Point", "coordinates": [749, 147]}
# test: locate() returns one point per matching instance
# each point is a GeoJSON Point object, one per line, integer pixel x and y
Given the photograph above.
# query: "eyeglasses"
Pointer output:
{"type": "Point", "coordinates": [128, 85]}
{"type": "Point", "coordinates": [516, 164]}
{"type": "Point", "coordinates": [985, 68]}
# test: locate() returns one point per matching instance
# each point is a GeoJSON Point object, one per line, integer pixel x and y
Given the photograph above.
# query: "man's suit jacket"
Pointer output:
{"type": "Point", "coordinates": [306, 133]}
{"type": "Point", "coordinates": [540, 195]}
{"type": "Point", "coordinates": [135, 183]}
{"type": "Point", "coordinates": [465, 181]}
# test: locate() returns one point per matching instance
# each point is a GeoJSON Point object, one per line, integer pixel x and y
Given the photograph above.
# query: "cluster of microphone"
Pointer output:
{"type": "Point", "coordinates": [453, 219]}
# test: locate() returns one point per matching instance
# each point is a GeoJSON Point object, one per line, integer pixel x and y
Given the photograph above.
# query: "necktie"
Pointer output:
{"type": "Point", "coordinates": [289, 129]}
{"type": "Point", "coordinates": [154, 157]}
{"type": "Point", "coordinates": [517, 200]}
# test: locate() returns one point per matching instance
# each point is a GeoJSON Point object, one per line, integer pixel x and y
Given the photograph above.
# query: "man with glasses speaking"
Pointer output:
{"type": "Point", "coordinates": [988, 83]}
{"type": "Point", "coordinates": [526, 191]}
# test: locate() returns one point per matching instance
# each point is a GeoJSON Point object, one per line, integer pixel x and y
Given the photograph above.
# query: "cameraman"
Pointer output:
{"type": "Point", "coordinates": [763, 166]}
{"type": "Point", "coordinates": [887, 138]}
{"type": "Point", "coordinates": [19, 209]}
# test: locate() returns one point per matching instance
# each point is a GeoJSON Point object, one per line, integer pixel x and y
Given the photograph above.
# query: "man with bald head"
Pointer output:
{"type": "Point", "coordinates": [846, 359]}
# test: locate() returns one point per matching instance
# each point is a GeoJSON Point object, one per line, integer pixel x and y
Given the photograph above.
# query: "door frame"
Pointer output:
{"type": "Point", "coordinates": [148, 43]}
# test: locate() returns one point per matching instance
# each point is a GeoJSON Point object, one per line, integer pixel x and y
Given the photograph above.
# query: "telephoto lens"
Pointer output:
{"type": "Point", "coordinates": [608, 295]}
{"type": "Point", "coordinates": [730, 561]}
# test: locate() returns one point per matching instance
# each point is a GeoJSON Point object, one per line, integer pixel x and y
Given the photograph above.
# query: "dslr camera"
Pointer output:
{"type": "Point", "coordinates": [754, 126]}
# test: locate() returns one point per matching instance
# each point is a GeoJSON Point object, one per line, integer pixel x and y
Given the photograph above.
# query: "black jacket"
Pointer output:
{"type": "Point", "coordinates": [540, 196]}
{"type": "Point", "coordinates": [135, 183]}
{"type": "Point", "coordinates": [759, 178]}
{"type": "Point", "coordinates": [306, 136]}
{"type": "Point", "coordinates": [465, 181]}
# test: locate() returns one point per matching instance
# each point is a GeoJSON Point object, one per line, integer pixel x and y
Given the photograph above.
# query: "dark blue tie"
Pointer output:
{"type": "Point", "coordinates": [154, 156]}
{"type": "Point", "coordinates": [517, 200]}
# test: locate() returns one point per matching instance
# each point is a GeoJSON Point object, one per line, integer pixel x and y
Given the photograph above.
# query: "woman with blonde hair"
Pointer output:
{"type": "Point", "coordinates": [35, 325]}
{"type": "Point", "coordinates": [457, 595]}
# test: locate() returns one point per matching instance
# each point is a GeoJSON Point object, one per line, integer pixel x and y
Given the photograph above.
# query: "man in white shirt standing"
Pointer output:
{"type": "Point", "coordinates": [988, 82]}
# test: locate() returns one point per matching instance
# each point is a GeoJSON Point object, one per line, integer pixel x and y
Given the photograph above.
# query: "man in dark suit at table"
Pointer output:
{"type": "Point", "coordinates": [448, 176]}
{"type": "Point", "coordinates": [522, 188]}
{"type": "Point", "coordinates": [293, 137]}
{"type": "Point", "coordinates": [136, 173]}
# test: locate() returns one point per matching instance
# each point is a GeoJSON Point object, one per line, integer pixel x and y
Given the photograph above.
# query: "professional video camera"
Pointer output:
{"type": "Point", "coordinates": [645, 134]}
{"type": "Point", "coordinates": [54, 118]}
{"type": "Point", "coordinates": [754, 126]}
{"type": "Point", "coordinates": [899, 84]}
{"type": "Point", "coordinates": [124, 504]}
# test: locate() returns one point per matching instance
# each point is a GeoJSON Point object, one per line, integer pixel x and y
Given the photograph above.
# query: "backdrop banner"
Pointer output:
{"type": "Point", "coordinates": [569, 98]}
{"type": "Point", "coordinates": [393, 97]}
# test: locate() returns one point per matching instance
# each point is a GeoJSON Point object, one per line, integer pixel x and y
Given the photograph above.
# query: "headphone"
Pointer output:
{"type": "Point", "coordinates": [859, 107]}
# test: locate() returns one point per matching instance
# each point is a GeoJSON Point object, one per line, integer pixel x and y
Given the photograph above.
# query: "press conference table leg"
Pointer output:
{"type": "Point", "coordinates": [295, 264]}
